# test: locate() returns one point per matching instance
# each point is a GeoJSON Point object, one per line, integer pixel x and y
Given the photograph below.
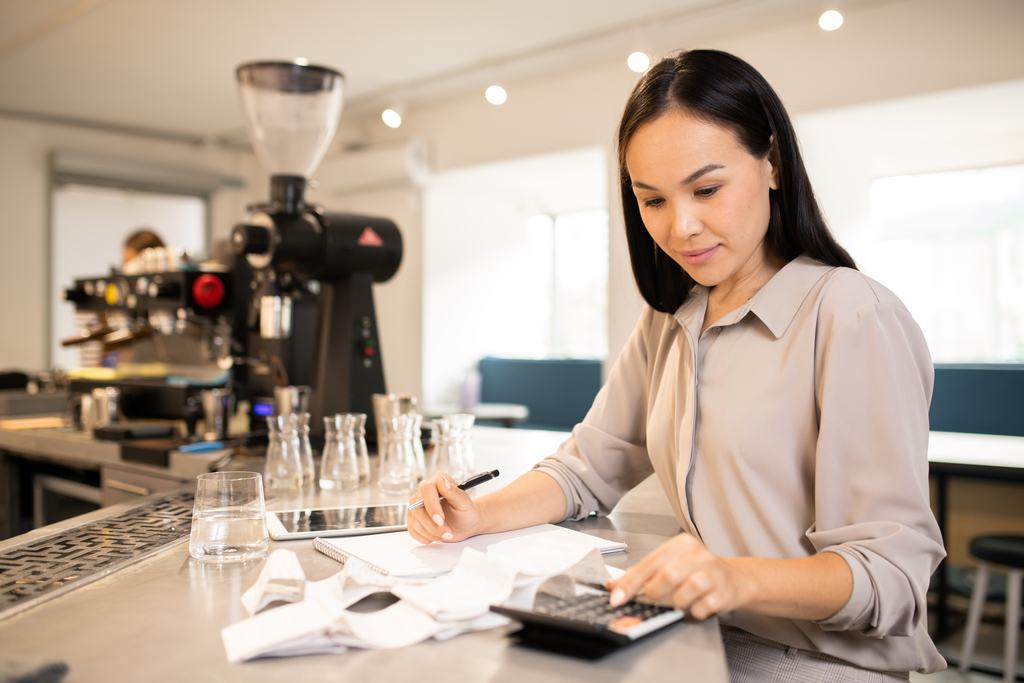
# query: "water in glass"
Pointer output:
{"type": "Point", "coordinates": [228, 518]}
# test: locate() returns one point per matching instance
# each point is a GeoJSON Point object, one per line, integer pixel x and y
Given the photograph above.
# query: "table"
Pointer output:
{"type": "Point", "coordinates": [160, 619]}
{"type": "Point", "coordinates": [970, 456]}
{"type": "Point", "coordinates": [506, 414]}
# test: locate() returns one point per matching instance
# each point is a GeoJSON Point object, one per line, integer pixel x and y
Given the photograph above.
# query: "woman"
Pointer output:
{"type": "Point", "coordinates": [139, 240]}
{"type": "Point", "coordinates": [780, 396]}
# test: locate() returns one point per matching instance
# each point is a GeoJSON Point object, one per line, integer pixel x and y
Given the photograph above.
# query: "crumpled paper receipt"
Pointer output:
{"type": "Point", "coordinates": [282, 580]}
{"type": "Point", "coordinates": [315, 617]}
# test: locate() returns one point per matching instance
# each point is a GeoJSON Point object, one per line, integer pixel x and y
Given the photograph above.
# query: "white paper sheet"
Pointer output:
{"type": "Point", "coordinates": [543, 554]}
{"type": "Point", "coordinates": [281, 580]}
{"type": "Point", "coordinates": [275, 628]}
{"type": "Point", "coordinates": [399, 625]}
{"type": "Point", "coordinates": [291, 628]}
{"type": "Point", "coordinates": [467, 592]}
{"type": "Point", "coordinates": [322, 644]}
{"type": "Point", "coordinates": [482, 623]}
{"type": "Point", "coordinates": [398, 554]}
{"type": "Point", "coordinates": [510, 572]}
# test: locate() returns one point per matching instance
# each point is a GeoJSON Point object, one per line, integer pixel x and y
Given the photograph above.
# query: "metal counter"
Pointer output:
{"type": "Point", "coordinates": [75, 448]}
{"type": "Point", "coordinates": [159, 619]}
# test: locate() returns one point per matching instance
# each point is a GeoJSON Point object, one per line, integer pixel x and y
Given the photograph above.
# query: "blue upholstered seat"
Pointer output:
{"type": "Point", "coordinates": [558, 392]}
{"type": "Point", "coordinates": [978, 399]}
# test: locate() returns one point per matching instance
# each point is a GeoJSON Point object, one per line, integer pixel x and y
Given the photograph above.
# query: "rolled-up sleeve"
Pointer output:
{"type": "Point", "coordinates": [873, 387]}
{"type": "Point", "coordinates": [606, 454]}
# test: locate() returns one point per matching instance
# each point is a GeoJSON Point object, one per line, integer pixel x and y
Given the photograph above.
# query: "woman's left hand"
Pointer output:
{"type": "Point", "coordinates": [686, 575]}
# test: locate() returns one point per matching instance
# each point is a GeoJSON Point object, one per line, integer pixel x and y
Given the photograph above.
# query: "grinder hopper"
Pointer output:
{"type": "Point", "coordinates": [292, 111]}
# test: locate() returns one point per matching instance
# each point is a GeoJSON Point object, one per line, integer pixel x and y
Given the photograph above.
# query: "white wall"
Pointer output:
{"type": "Point", "coordinates": [947, 274]}
{"type": "Point", "coordinates": [846, 149]}
{"type": "Point", "coordinates": [25, 197]}
{"type": "Point", "coordinates": [885, 50]}
{"type": "Point", "coordinates": [483, 292]}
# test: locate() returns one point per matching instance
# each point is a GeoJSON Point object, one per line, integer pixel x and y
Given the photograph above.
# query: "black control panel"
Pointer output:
{"type": "Point", "coordinates": [201, 292]}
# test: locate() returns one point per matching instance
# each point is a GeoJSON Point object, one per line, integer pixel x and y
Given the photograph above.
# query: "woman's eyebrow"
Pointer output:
{"type": "Point", "coordinates": [707, 168]}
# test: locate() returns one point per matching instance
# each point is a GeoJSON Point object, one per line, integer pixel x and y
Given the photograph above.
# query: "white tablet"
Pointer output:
{"type": "Point", "coordinates": [357, 520]}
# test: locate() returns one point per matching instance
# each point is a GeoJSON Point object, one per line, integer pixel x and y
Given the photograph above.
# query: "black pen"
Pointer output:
{"type": "Point", "coordinates": [475, 480]}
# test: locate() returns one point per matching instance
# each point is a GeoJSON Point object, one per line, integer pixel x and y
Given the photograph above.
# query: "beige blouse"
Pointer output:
{"type": "Point", "coordinates": [798, 423]}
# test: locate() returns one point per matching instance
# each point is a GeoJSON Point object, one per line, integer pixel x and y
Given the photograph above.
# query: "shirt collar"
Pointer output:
{"type": "Point", "coordinates": [775, 304]}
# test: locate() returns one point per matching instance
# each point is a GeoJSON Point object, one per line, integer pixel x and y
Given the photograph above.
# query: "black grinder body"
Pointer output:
{"type": "Point", "coordinates": [290, 248]}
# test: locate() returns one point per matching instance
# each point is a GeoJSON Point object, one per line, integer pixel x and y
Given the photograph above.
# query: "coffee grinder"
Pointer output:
{"type": "Point", "coordinates": [310, 317]}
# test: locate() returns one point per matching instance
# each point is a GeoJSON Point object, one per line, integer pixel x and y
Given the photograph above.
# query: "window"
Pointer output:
{"type": "Point", "coordinates": [571, 250]}
{"type": "Point", "coordinates": [515, 264]}
{"type": "Point", "coordinates": [89, 226]}
{"type": "Point", "coordinates": [927, 193]}
{"type": "Point", "coordinates": [963, 233]}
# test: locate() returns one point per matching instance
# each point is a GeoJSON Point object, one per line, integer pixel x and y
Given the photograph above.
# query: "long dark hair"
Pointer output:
{"type": "Point", "coordinates": [722, 89]}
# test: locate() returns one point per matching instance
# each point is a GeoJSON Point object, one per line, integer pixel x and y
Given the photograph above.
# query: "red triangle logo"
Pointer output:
{"type": "Point", "coordinates": [370, 238]}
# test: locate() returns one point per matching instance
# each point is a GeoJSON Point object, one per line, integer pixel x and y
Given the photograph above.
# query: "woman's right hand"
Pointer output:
{"type": "Point", "coordinates": [448, 513]}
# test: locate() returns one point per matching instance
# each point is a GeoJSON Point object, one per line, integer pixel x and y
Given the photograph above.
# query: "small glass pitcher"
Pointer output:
{"type": "Point", "coordinates": [440, 440]}
{"type": "Point", "coordinates": [363, 455]}
{"type": "Point", "coordinates": [462, 459]}
{"type": "Point", "coordinates": [339, 467]}
{"type": "Point", "coordinates": [300, 423]}
{"type": "Point", "coordinates": [399, 471]}
{"type": "Point", "coordinates": [417, 447]}
{"type": "Point", "coordinates": [282, 474]}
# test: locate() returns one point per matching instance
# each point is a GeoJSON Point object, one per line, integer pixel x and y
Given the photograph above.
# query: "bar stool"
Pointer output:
{"type": "Point", "coordinates": [1004, 553]}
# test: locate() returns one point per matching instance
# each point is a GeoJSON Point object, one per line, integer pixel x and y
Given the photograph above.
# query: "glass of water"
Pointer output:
{"type": "Point", "coordinates": [228, 522]}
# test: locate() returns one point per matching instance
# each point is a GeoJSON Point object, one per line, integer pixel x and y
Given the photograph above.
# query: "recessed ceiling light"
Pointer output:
{"type": "Point", "coordinates": [638, 61]}
{"type": "Point", "coordinates": [830, 20]}
{"type": "Point", "coordinates": [496, 95]}
{"type": "Point", "coordinates": [391, 118]}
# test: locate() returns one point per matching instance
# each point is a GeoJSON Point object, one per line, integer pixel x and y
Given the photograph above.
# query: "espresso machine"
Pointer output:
{"type": "Point", "coordinates": [293, 310]}
{"type": "Point", "coordinates": [310, 316]}
{"type": "Point", "coordinates": [176, 319]}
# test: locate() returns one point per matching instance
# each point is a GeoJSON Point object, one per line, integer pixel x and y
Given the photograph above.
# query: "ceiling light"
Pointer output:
{"type": "Point", "coordinates": [638, 61]}
{"type": "Point", "coordinates": [830, 20]}
{"type": "Point", "coordinates": [391, 118]}
{"type": "Point", "coordinates": [496, 95]}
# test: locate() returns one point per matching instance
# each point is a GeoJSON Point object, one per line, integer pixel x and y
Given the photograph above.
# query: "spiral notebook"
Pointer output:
{"type": "Point", "coordinates": [398, 554]}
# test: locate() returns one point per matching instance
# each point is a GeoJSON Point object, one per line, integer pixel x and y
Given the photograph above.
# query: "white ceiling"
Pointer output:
{"type": "Point", "coordinates": [169, 64]}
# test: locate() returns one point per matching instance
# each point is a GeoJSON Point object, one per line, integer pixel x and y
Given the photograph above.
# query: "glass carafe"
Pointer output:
{"type": "Point", "coordinates": [339, 467]}
{"type": "Point", "coordinates": [461, 445]}
{"type": "Point", "coordinates": [417, 447]}
{"type": "Point", "coordinates": [300, 423]}
{"type": "Point", "coordinates": [282, 473]}
{"type": "Point", "coordinates": [398, 473]}
{"type": "Point", "coordinates": [362, 453]}
{"type": "Point", "coordinates": [440, 439]}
